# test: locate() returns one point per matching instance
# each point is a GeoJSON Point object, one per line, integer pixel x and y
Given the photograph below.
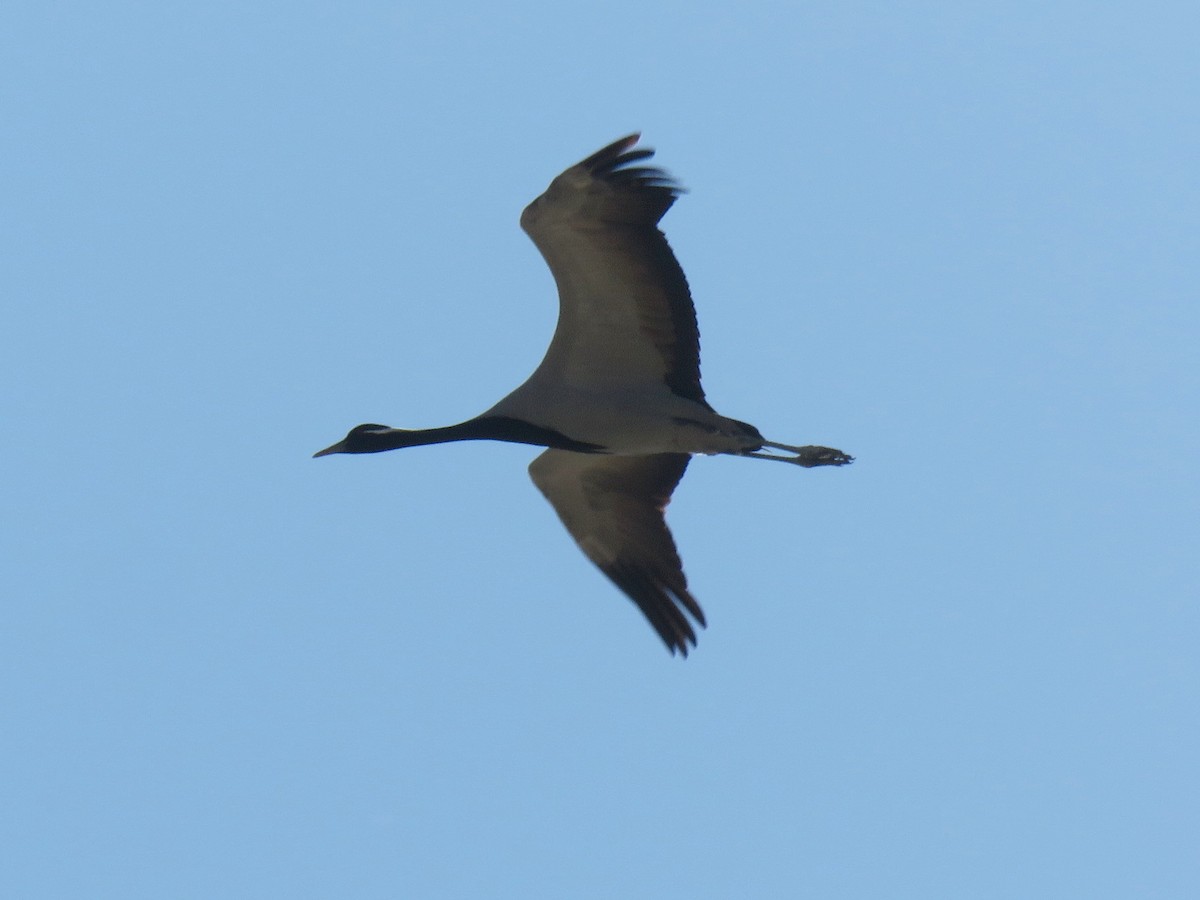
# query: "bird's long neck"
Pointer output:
{"type": "Point", "coordinates": [483, 428]}
{"type": "Point", "coordinates": [396, 438]}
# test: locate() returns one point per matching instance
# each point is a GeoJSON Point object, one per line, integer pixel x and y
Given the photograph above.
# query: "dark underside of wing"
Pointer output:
{"type": "Point", "coordinates": [613, 507]}
{"type": "Point", "coordinates": [596, 226]}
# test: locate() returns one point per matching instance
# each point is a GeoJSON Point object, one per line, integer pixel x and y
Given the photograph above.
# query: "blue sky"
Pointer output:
{"type": "Point", "coordinates": [957, 240]}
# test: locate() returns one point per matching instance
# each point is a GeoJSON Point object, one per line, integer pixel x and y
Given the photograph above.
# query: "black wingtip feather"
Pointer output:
{"type": "Point", "coordinates": [606, 156]}
{"type": "Point", "coordinates": [613, 163]}
{"type": "Point", "coordinates": [663, 606]}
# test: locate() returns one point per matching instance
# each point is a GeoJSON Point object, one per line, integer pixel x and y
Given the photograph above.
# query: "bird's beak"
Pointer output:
{"type": "Point", "coordinates": [339, 447]}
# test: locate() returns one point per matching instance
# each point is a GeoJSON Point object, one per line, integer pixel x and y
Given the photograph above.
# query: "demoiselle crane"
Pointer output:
{"type": "Point", "coordinates": [617, 399]}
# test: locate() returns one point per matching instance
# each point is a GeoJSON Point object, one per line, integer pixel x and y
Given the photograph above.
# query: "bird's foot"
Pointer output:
{"type": "Point", "coordinates": [812, 456]}
{"type": "Point", "coordinates": [809, 456]}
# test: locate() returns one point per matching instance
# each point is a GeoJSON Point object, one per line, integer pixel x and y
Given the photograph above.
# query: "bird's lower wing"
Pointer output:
{"type": "Point", "coordinates": [613, 507]}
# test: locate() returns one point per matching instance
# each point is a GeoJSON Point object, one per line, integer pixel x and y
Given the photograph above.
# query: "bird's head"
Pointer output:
{"type": "Point", "coordinates": [363, 439]}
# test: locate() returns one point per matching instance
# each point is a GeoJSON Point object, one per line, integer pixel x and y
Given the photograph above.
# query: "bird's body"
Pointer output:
{"type": "Point", "coordinates": [630, 422]}
{"type": "Point", "coordinates": [617, 399]}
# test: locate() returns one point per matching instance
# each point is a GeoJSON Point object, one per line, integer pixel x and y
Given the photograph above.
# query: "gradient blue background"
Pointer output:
{"type": "Point", "coordinates": [958, 240]}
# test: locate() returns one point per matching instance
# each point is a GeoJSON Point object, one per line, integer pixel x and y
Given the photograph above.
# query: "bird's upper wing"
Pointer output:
{"type": "Point", "coordinates": [613, 507]}
{"type": "Point", "coordinates": [625, 313]}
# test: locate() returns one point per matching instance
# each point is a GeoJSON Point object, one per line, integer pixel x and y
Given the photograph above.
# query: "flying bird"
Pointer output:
{"type": "Point", "coordinates": [617, 400]}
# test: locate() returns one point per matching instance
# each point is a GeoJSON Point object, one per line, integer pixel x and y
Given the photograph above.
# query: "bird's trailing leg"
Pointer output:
{"type": "Point", "coordinates": [809, 457]}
